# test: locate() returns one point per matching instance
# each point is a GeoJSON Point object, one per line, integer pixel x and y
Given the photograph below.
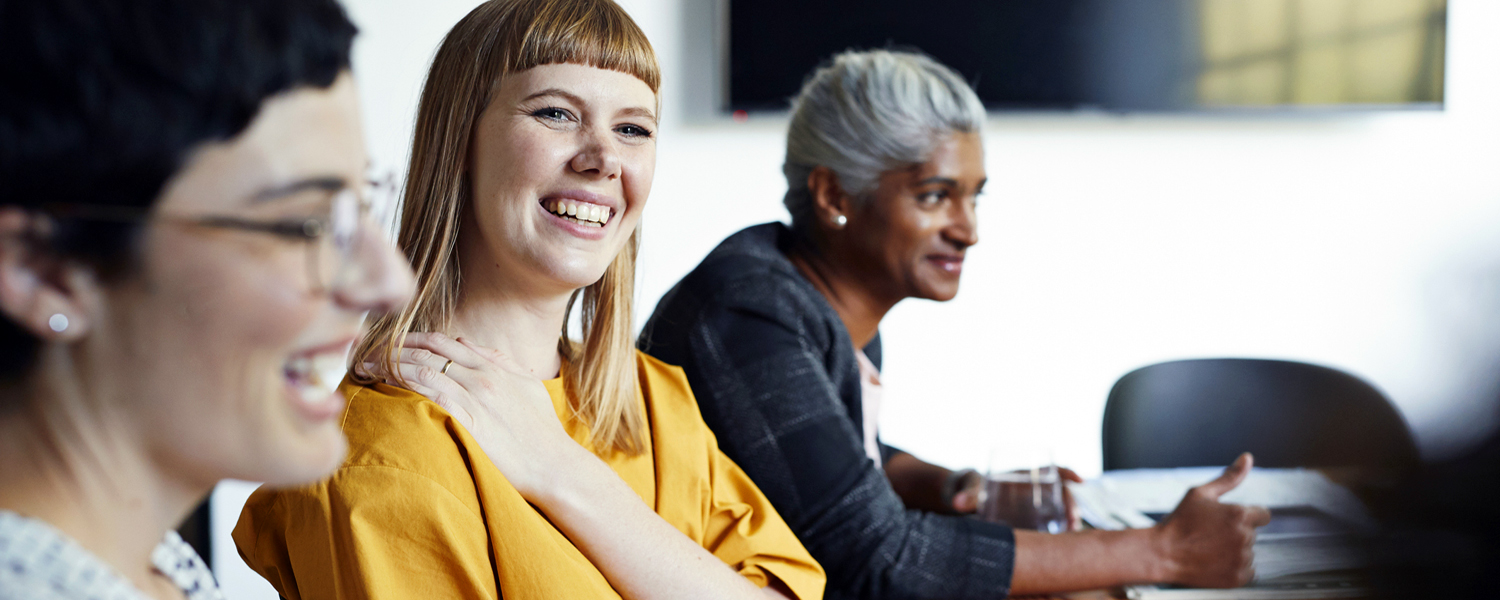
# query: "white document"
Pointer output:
{"type": "Point", "coordinates": [1126, 496]}
{"type": "Point", "coordinates": [1124, 499]}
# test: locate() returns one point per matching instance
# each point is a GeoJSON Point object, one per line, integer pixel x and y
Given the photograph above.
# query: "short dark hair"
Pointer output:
{"type": "Point", "coordinates": [103, 100]}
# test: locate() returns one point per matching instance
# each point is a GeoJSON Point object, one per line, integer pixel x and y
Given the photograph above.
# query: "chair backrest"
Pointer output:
{"type": "Point", "coordinates": [1206, 412]}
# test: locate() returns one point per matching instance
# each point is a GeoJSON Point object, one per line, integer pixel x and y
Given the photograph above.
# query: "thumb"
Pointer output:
{"type": "Point", "coordinates": [1232, 477]}
{"type": "Point", "coordinates": [1069, 475]}
{"type": "Point", "coordinates": [966, 501]}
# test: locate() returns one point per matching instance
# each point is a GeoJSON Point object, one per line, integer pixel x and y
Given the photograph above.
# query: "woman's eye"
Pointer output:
{"type": "Point", "coordinates": [298, 223]}
{"type": "Point", "coordinates": [551, 113]}
{"type": "Point", "coordinates": [634, 131]}
{"type": "Point", "coordinates": [931, 198]}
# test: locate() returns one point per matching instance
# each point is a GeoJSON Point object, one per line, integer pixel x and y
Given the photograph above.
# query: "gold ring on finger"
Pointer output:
{"type": "Point", "coordinates": [445, 366]}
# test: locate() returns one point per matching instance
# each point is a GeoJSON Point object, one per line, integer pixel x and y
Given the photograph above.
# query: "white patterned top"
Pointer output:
{"type": "Point", "coordinates": [38, 562]}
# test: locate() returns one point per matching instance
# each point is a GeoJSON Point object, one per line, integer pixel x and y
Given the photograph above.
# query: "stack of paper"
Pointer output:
{"type": "Point", "coordinates": [1125, 496]}
{"type": "Point", "coordinates": [1290, 589]}
{"type": "Point", "coordinates": [1316, 527]}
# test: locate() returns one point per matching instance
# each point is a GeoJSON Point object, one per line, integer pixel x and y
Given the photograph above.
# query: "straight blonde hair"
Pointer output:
{"type": "Point", "coordinates": [498, 38]}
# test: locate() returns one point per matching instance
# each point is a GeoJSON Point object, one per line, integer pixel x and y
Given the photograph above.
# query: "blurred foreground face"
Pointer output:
{"type": "Point", "coordinates": [561, 166]}
{"type": "Point", "coordinates": [913, 232]}
{"type": "Point", "coordinates": [230, 347]}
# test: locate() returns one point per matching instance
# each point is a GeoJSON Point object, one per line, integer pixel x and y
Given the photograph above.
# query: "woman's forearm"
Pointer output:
{"type": "Point", "coordinates": [640, 554]}
{"type": "Point", "coordinates": [1203, 543]}
{"type": "Point", "coordinates": [1048, 563]}
{"type": "Point", "coordinates": [918, 483]}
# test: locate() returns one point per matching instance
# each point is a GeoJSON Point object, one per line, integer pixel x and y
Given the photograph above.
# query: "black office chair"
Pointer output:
{"type": "Point", "coordinates": [1206, 412]}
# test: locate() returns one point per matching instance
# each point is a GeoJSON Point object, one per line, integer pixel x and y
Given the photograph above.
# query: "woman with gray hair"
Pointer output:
{"type": "Point", "coordinates": [778, 332]}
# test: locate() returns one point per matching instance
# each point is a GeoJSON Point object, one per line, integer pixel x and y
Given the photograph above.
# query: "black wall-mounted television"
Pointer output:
{"type": "Point", "coordinates": [1113, 55]}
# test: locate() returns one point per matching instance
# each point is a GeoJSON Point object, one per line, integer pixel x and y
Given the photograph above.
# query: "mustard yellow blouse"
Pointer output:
{"type": "Point", "coordinates": [418, 510]}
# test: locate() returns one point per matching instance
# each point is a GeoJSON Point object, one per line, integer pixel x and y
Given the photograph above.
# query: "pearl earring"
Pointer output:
{"type": "Point", "coordinates": [840, 221]}
{"type": "Point", "coordinates": [58, 322]}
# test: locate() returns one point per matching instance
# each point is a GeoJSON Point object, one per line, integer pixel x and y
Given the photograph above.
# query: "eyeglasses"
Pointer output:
{"type": "Point", "coordinates": [332, 239]}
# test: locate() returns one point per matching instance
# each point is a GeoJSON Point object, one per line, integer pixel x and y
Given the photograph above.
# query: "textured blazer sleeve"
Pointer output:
{"type": "Point", "coordinates": [761, 377]}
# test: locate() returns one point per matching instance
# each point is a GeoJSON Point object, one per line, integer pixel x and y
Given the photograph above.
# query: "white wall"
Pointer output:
{"type": "Point", "coordinates": [1366, 242]}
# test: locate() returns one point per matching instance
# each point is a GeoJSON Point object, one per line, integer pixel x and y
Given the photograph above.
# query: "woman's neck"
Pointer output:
{"type": "Point", "coordinates": [70, 462]}
{"type": "Point", "coordinates": [523, 326]}
{"type": "Point", "coordinates": [857, 303]}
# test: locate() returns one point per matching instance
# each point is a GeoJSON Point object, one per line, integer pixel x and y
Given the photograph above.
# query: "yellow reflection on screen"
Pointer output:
{"type": "Point", "coordinates": [1312, 52]}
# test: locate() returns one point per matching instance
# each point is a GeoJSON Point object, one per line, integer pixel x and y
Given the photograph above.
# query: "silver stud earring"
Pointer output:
{"type": "Point", "coordinates": [58, 322]}
{"type": "Point", "coordinates": [840, 221]}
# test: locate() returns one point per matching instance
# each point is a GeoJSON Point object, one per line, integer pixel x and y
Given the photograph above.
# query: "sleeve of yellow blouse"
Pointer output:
{"type": "Point", "coordinates": [745, 532]}
{"type": "Point", "coordinates": [369, 532]}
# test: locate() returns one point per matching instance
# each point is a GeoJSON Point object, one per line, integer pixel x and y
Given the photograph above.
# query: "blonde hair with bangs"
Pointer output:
{"type": "Point", "coordinates": [498, 38]}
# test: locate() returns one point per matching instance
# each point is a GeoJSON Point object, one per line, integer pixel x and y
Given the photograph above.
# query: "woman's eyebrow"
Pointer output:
{"type": "Point", "coordinates": [559, 92]}
{"type": "Point", "coordinates": [325, 184]}
{"type": "Point", "coordinates": [939, 180]}
{"type": "Point", "coordinates": [637, 111]}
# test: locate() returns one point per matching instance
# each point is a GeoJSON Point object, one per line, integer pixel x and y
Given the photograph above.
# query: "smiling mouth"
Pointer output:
{"type": "Point", "coordinates": [582, 213]}
{"type": "Point", "coordinates": [316, 375]}
{"type": "Point", "coordinates": [950, 264]}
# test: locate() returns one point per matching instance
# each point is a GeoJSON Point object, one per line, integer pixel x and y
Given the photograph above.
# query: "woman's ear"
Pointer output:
{"type": "Point", "coordinates": [38, 290]}
{"type": "Point", "coordinates": [830, 204]}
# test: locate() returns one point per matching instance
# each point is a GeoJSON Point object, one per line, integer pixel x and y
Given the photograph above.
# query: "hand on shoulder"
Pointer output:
{"type": "Point", "coordinates": [506, 409]}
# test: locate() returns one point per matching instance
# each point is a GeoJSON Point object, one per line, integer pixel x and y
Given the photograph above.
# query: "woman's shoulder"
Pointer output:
{"type": "Point", "coordinates": [666, 392]}
{"type": "Point", "coordinates": [747, 274]}
{"type": "Point", "coordinates": [394, 434]}
{"type": "Point", "coordinates": [751, 257]}
{"type": "Point", "coordinates": [396, 427]}
{"type": "Point", "coordinates": [660, 380]}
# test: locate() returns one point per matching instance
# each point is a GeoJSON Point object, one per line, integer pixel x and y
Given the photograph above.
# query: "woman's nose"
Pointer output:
{"type": "Point", "coordinates": [381, 279]}
{"type": "Point", "coordinates": [963, 230]}
{"type": "Point", "coordinates": [598, 158]}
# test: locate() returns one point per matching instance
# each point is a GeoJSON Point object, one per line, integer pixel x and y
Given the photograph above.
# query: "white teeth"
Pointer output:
{"type": "Point", "coordinates": [589, 214]}
{"type": "Point", "coordinates": [317, 377]}
{"type": "Point", "coordinates": [299, 366]}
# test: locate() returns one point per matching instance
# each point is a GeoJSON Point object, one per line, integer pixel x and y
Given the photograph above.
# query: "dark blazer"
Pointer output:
{"type": "Point", "coordinates": [776, 379]}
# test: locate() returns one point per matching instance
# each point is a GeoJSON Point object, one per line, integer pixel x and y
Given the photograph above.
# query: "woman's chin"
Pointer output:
{"type": "Point", "coordinates": [570, 277]}
{"type": "Point", "coordinates": [940, 293]}
{"type": "Point", "coordinates": [313, 456]}
{"type": "Point", "coordinates": [314, 404]}
{"type": "Point", "coordinates": [311, 442]}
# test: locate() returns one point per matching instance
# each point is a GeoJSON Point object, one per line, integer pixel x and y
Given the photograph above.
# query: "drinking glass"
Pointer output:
{"type": "Point", "coordinates": [1026, 498]}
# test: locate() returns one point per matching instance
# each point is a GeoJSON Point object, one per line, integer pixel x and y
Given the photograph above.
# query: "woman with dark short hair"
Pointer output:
{"type": "Point", "coordinates": [184, 260]}
{"type": "Point", "coordinates": [777, 331]}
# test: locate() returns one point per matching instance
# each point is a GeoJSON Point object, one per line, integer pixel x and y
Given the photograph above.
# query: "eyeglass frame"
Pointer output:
{"type": "Point", "coordinates": [308, 231]}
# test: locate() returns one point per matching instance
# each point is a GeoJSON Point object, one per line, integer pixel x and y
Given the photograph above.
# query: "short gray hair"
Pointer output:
{"type": "Point", "coordinates": [867, 112]}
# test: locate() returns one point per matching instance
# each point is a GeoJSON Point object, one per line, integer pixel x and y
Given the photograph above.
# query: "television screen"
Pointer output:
{"type": "Point", "coordinates": [1112, 55]}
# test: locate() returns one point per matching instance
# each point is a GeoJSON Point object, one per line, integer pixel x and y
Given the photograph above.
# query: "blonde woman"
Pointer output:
{"type": "Point", "coordinates": [467, 476]}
